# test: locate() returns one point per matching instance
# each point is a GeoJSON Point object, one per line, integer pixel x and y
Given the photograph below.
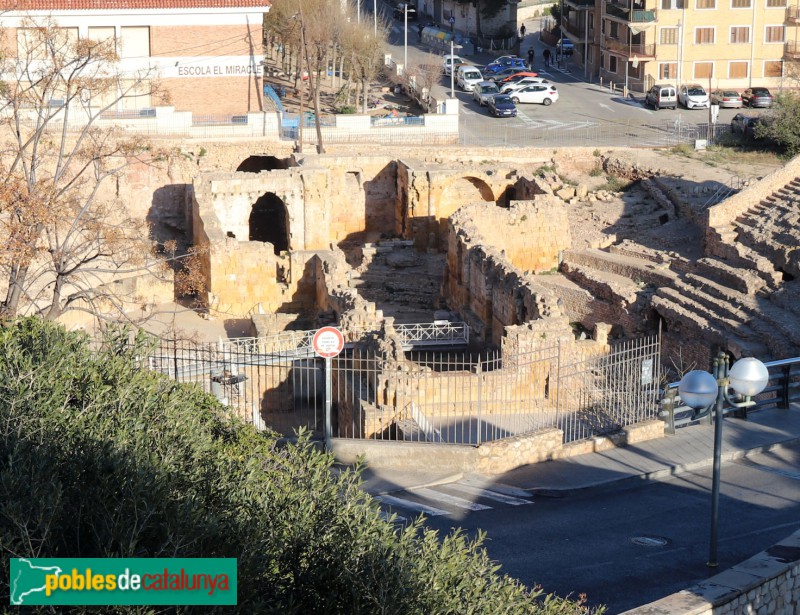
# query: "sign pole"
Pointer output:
{"type": "Point", "coordinates": [328, 402]}
{"type": "Point", "coordinates": [327, 343]}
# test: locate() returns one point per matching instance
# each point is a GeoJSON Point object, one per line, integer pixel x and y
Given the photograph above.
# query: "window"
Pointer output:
{"type": "Point", "coordinates": [774, 34]}
{"type": "Point", "coordinates": [669, 36]}
{"type": "Point", "coordinates": [32, 43]}
{"type": "Point", "coordinates": [614, 29]}
{"type": "Point", "coordinates": [668, 70]}
{"type": "Point", "coordinates": [704, 36]}
{"type": "Point", "coordinates": [703, 70]}
{"type": "Point", "coordinates": [740, 4]}
{"type": "Point", "coordinates": [134, 42]}
{"type": "Point", "coordinates": [738, 70]}
{"type": "Point", "coordinates": [612, 64]}
{"type": "Point", "coordinates": [776, 3]}
{"type": "Point", "coordinates": [101, 33]}
{"type": "Point", "coordinates": [740, 34]}
{"type": "Point", "coordinates": [706, 4]}
{"type": "Point", "coordinates": [773, 68]}
{"type": "Point", "coordinates": [666, 5]}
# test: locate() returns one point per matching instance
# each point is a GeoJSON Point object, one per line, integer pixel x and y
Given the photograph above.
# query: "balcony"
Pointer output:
{"type": "Point", "coordinates": [791, 50]}
{"type": "Point", "coordinates": [627, 14]}
{"type": "Point", "coordinates": [793, 15]}
{"type": "Point", "coordinates": [577, 33]}
{"type": "Point", "coordinates": [580, 5]}
{"type": "Point", "coordinates": [642, 51]}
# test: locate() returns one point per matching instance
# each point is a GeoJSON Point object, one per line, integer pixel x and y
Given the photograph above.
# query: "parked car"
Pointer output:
{"type": "Point", "coordinates": [757, 97]}
{"type": "Point", "coordinates": [516, 77]}
{"type": "Point", "coordinates": [740, 122]}
{"type": "Point", "coordinates": [727, 99]}
{"type": "Point", "coordinates": [501, 105]}
{"type": "Point", "coordinates": [522, 83]}
{"type": "Point", "coordinates": [398, 12]}
{"type": "Point", "coordinates": [693, 96]}
{"type": "Point", "coordinates": [750, 128]}
{"type": "Point", "coordinates": [448, 62]}
{"type": "Point", "coordinates": [565, 46]}
{"type": "Point", "coordinates": [661, 96]}
{"type": "Point", "coordinates": [541, 93]}
{"type": "Point", "coordinates": [483, 91]}
{"type": "Point", "coordinates": [496, 67]}
{"type": "Point", "coordinates": [504, 74]}
{"type": "Point", "coordinates": [467, 76]}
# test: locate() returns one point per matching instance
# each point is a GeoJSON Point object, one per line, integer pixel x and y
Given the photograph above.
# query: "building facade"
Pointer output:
{"type": "Point", "coordinates": [716, 43]}
{"type": "Point", "coordinates": [207, 54]}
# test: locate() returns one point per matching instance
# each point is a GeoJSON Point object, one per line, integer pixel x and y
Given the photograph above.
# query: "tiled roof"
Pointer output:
{"type": "Point", "coordinates": [88, 5]}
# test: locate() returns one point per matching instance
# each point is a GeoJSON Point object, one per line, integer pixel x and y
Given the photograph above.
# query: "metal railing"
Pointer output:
{"type": "Point", "coordinates": [634, 49]}
{"type": "Point", "coordinates": [632, 15]}
{"type": "Point", "coordinates": [783, 389]}
{"type": "Point", "coordinates": [791, 50]}
{"type": "Point", "coordinates": [432, 396]}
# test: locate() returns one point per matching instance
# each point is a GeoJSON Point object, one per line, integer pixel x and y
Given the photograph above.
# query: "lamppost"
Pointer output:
{"type": "Point", "coordinates": [405, 38]}
{"type": "Point", "coordinates": [703, 391]}
{"type": "Point", "coordinates": [375, 16]}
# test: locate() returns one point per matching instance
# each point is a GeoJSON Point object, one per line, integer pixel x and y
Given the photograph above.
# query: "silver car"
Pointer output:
{"type": "Point", "coordinates": [483, 91]}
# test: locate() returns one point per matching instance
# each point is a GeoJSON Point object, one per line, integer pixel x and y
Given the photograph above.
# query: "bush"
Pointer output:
{"type": "Point", "coordinates": [99, 458]}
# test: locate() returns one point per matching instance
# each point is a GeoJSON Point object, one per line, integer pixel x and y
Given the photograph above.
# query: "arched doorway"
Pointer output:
{"type": "Point", "coordinates": [269, 221]}
{"type": "Point", "coordinates": [255, 164]}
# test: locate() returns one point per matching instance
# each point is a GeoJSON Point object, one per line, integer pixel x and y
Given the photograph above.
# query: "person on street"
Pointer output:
{"type": "Point", "coordinates": [522, 31]}
{"type": "Point", "coordinates": [531, 55]}
{"type": "Point", "coordinates": [547, 57]}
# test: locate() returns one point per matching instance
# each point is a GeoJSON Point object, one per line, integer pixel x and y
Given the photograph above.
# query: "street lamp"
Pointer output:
{"type": "Point", "coordinates": [702, 390]}
{"type": "Point", "coordinates": [375, 16]}
{"type": "Point", "coordinates": [405, 38]}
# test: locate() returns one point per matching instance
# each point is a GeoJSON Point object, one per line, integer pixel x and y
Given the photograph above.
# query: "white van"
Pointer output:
{"type": "Point", "coordinates": [449, 62]}
{"type": "Point", "coordinates": [467, 76]}
{"type": "Point", "coordinates": [661, 96]}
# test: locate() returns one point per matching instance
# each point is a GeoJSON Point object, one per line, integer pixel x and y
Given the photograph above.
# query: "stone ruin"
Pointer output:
{"type": "Point", "coordinates": [370, 241]}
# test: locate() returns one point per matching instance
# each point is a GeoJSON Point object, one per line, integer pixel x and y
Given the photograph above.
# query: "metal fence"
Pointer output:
{"type": "Point", "coordinates": [552, 133]}
{"type": "Point", "coordinates": [432, 396]}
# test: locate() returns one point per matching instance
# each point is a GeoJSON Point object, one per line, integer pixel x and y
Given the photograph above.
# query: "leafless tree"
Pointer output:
{"type": "Point", "coordinates": [68, 238]}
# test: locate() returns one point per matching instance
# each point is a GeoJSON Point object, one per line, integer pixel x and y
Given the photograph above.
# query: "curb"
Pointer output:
{"type": "Point", "coordinates": [628, 482]}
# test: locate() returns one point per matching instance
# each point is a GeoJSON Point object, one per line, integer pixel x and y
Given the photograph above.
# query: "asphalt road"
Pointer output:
{"type": "Point", "coordinates": [580, 104]}
{"type": "Point", "coordinates": [623, 548]}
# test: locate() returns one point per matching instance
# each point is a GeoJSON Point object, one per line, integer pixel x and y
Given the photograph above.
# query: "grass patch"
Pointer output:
{"type": "Point", "coordinates": [596, 171]}
{"type": "Point", "coordinates": [615, 184]}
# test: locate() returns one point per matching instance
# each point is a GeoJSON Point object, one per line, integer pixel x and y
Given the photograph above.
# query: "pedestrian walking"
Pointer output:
{"type": "Point", "coordinates": [522, 31]}
{"type": "Point", "coordinates": [531, 56]}
{"type": "Point", "coordinates": [547, 57]}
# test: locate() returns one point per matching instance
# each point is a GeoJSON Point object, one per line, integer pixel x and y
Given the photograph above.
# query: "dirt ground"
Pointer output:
{"type": "Point", "coordinates": [381, 90]}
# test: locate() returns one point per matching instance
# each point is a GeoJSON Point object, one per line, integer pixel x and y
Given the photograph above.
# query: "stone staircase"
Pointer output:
{"type": "Point", "coordinates": [772, 228]}
{"type": "Point", "coordinates": [401, 281]}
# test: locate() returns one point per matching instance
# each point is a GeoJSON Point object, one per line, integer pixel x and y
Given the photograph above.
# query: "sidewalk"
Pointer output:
{"type": "Point", "coordinates": [689, 449]}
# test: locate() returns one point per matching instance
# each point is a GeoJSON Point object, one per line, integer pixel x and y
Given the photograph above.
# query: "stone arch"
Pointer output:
{"type": "Point", "coordinates": [463, 190]}
{"type": "Point", "coordinates": [256, 164]}
{"type": "Point", "coordinates": [269, 222]}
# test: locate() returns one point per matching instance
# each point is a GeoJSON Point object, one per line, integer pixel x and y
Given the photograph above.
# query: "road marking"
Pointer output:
{"type": "Point", "coordinates": [428, 510]}
{"type": "Point", "coordinates": [489, 495]}
{"type": "Point", "coordinates": [757, 466]}
{"type": "Point", "coordinates": [606, 107]}
{"type": "Point", "coordinates": [438, 496]}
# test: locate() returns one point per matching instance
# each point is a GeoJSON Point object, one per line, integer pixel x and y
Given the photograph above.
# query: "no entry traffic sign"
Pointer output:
{"type": "Point", "coordinates": [328, 342]}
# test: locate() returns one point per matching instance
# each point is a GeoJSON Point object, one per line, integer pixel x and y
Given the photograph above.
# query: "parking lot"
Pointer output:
{"type": "Point", "coordinates": [582, 106]}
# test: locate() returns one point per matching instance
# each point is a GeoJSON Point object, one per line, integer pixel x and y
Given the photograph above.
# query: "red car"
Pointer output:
{"type": "Point", "coordinates": [515, 77]}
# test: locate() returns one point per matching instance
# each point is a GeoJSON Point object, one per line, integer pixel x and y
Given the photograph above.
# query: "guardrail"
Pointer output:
{"type": "Point", "coordinates": [782, 390]}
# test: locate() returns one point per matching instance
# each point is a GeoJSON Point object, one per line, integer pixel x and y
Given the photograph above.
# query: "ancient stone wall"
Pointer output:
{"type": "Point", "coordinates": [483, 284]}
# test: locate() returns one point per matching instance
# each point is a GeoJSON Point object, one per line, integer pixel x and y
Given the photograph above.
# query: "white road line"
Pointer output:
{"type": "Point", "coordinates": [606, 107]}
{"type": "Point", "coordinates": [428, 510]}
{"type": "Point", "coordinates": [438, 496]}
{"type": "Point", "coordinates": [489, 495]}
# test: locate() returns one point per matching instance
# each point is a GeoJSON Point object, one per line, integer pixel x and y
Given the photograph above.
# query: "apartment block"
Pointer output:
{"type": "Point", "coordinates": [207, 54]}
{"type": "Point", "coordinates": [717, 43]}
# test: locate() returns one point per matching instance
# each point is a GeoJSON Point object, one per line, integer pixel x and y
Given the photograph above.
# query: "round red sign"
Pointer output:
{"type": "Point", "coordinates": [328, 342]}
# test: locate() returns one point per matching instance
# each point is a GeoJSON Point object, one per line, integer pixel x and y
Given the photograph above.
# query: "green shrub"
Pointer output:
{"type": "Point", "coordinates": [99, 458]}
